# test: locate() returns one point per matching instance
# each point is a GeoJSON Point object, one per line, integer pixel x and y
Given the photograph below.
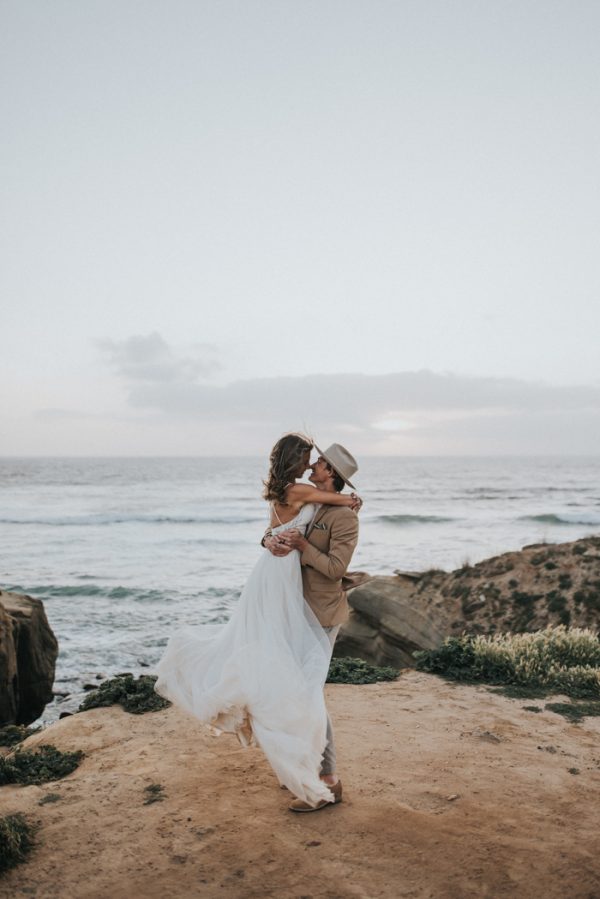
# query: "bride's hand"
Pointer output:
{"type": "Point", "coordinates": [276, 547]}
{"type": "Point", "coordinates": [357, 504]}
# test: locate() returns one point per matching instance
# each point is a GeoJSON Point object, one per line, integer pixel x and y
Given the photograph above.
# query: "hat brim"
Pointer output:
{"type": "Point", "coordinates": [329, 462]}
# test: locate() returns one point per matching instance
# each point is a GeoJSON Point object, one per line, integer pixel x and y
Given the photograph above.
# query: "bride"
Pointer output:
{"type": "Point", "coordinates": [261, 675]}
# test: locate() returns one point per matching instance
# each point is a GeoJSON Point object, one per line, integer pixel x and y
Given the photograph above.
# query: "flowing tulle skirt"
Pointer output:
{"type": "Point", "coordinates": [261, 675]}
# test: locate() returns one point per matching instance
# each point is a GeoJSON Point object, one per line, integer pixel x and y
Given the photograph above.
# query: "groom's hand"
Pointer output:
{"type": "Point", "coordinates": [276, 547]}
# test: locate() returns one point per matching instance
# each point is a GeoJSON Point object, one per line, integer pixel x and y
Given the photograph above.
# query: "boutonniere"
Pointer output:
{"type": "Point", "coordinates": [320, 526]}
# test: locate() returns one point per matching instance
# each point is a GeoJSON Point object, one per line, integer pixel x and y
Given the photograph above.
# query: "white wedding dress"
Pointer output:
{"type": "Point", "coordinates": [261, 675]}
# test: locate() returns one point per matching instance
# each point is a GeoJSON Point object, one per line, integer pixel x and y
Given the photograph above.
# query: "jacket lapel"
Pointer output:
{"type": "Point", "coordinates": [317, 517]}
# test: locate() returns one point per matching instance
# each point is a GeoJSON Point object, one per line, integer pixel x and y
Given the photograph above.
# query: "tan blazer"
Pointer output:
{"type": "Point", "coordinates": [332, 536]}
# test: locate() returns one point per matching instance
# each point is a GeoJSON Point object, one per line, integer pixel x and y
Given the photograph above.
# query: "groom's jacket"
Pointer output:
{"type": "Point", "coordinates": [332, 536]}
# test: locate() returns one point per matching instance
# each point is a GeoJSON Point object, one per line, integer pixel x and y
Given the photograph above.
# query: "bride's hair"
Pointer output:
{"type": "Point", "coordinates": [284, 460]}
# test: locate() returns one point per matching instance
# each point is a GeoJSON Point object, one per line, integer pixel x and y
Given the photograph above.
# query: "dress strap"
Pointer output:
{"type": "Point", "coordinates": [276, 515]}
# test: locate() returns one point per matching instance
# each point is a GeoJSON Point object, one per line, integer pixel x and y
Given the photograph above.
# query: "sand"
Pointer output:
{"type": "Point", "coordinates": [449, 791]}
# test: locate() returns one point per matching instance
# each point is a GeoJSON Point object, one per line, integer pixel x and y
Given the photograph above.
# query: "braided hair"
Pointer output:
{"type": "Point", "coordinates": [284, 460]}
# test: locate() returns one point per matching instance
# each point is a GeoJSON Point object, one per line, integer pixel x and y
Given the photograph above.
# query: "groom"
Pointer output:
{"type": "Point", "coordinates": [325, 555]}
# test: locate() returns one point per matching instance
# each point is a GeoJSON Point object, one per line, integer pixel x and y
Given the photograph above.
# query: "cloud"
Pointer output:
{"type": "Point", "coordinates": [173, 408]}
{"type": "Point", "coordinates": [150, 359]}
{"type": "Point", "coordinates": [365, 400]}
{"type": "Point", "coordinates": [62, 414]}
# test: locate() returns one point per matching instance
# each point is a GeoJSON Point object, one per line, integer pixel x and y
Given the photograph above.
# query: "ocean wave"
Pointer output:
{"type": "Point", "coordinates": [47, 591]}
{"type": "Point", "coordinates": [102, 520]}
{"type": "Point", "coordinates": [413, 519]}
{"type": "Point", "coordinates": [562, 519]}
{"type": "Point", "coordinates": [137, 594]}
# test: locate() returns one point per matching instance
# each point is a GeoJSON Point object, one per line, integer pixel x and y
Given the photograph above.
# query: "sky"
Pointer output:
{"type": "Point", "coordinates": [375, 221]}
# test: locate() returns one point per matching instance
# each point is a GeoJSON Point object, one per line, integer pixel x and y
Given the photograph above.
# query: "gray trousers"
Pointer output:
{"type": "Point", "coordinates": [328, 764]}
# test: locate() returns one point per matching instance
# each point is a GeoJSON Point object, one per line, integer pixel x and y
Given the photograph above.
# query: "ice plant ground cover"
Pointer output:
{"type": "Point", "coordinates": [556, 659]}
{"type": "Point", "coordinates": [17, 837]}
{"type": "Point", "coordinates": [44, 764]}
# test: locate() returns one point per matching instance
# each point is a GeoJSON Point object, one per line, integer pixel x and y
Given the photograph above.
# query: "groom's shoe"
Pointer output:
{"type": "Point", "coordinates": [298, 805]}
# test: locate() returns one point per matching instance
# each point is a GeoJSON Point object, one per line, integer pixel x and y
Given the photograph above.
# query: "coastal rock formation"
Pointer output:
{"type": "Point", "coordinates": [386, 626]}
{"type": "Point", "coordinates": [28, 651]}
{"type": "Point", "coordinates": [8, 670]}
{"type": "Point", "coordinates": [540, 585]}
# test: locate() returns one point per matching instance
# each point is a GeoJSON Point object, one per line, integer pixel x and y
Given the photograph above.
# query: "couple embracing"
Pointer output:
{"type": "Point", "coordinates": [261, 675]}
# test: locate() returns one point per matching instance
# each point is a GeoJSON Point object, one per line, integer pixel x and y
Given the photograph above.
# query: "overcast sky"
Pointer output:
{"type": "Point", "coordinates": [379, 221]}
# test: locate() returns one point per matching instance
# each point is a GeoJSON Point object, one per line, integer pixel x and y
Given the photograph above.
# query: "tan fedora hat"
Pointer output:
{"type": "Point", "coordinates": [340, 460]}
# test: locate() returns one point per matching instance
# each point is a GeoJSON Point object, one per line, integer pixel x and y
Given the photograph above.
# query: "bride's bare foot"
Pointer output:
{"type": "Point", "coordinates": [244, 732]}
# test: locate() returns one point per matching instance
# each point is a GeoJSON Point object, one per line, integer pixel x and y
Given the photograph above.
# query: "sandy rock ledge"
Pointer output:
{"type": "Point", "coordinates": [450, 792]}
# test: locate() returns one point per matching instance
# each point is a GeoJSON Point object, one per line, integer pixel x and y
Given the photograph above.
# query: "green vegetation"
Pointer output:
{"type": "Point", "coordinates": [540, 557]}
{"type": "Point", "coordinates": [16, 840]}
{"type": "Point", "coordinates": [574, 711]}
{"type": "Point", "coordinates": [355, 671]}
{"type": "Point", "coordinates": [519, 691]}
{"type": "Point", "coordinates": [46, 764]}
{"type": "Point", "coordinates": [555, 659]}
{"type": "Point", "coordinates": [49, 797]}
{"type": "Point", "coordinates": [134, 695]}
{"type": "Point", "coordinates": [590, 596]}
{"type": "Point", "coordinates": [15, 733]}
{"type": "Point", "coordinates": [154, 793]}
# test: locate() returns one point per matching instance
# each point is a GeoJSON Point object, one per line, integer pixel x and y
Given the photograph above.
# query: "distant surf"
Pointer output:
{"type": "Point", "coordinates": [563, 519]}
{"type": "Point", "coordinates": [104, 519]}
{"type": "Point", "coordinates": [413, 519]}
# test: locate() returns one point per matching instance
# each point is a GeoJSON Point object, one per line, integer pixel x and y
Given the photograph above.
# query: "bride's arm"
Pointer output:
{"type": "Point", "coordinates": [303, 493]}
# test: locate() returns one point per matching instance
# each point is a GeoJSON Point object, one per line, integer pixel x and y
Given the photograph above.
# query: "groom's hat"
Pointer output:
{"type": "Point", "coordinates": [340, 460]}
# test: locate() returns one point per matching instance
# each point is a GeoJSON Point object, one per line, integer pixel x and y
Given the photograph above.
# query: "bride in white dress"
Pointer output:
{"type": "Point", "coordinates": [261, 675]}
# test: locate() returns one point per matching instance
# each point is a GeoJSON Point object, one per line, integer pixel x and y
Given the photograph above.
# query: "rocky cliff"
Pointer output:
{"type": "Point", "coordinates": [28, 651]}
{"type": "Point", "coordinates": [526, 590]}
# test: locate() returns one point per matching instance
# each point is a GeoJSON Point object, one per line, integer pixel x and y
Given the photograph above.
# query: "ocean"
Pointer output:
{"type": "Point", "coordinates": [123, 551]}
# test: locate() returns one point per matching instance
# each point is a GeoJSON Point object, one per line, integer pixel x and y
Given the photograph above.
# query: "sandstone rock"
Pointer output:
{"type": "Point", "coordinates": [28, 651]}
{"type": "Point", "coordinates": [386, 624]}
{"type": "Point", "coordinates": [8, 670]}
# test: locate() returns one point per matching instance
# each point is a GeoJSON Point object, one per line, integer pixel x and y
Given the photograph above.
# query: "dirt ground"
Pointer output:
{"type": "Point", "coordinates": [449, 791]}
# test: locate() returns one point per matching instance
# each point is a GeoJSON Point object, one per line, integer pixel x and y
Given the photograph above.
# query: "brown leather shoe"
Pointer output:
{"type": "Point", "coordinates": [298, 805]}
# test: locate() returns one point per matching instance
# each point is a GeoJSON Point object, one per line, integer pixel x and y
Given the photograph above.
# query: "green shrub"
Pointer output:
{"type": "Point", "coordinates": [46, 764]}
{"type": "Point", "coordinates": [558, 659]}
{"type": "Point", "coordinates": [16, 840]}
{"type": "Point", "coordinates": [49, 797]}
{"type": "Point", "coordinates": [135, 696]}
{"type": "Point", "coordinates": [574, 711]}
{"type": "Point", "coordinates": [154, 793]}
{"type": "Point", "coordinates": [355, 671]}
{"type": "Point", "coordinates": [15, 733]}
